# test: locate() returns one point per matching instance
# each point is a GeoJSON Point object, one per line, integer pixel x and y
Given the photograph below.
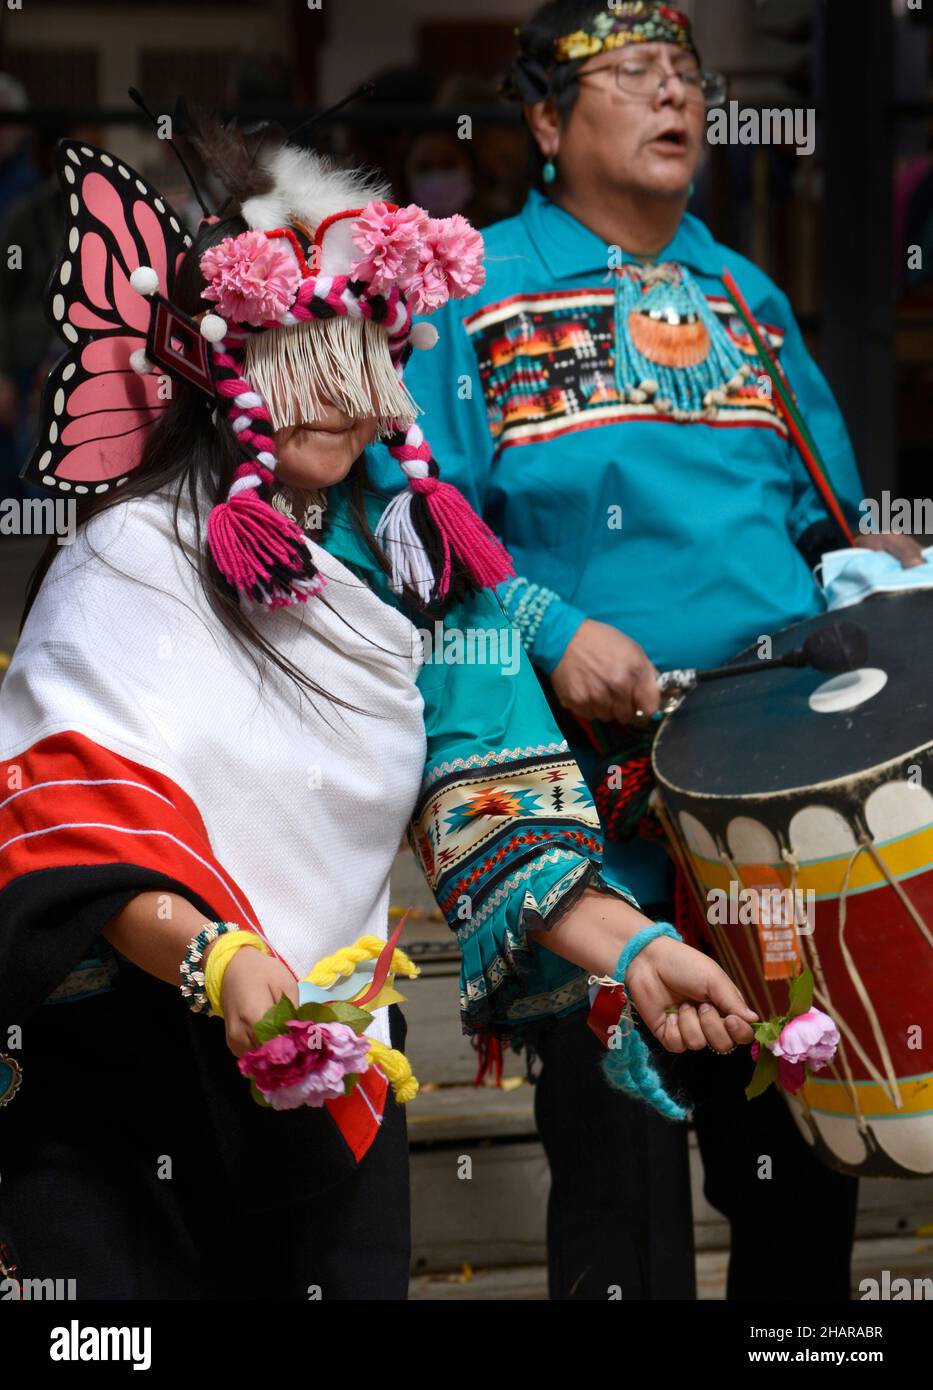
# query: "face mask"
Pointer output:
{"type": "Point", "coordinates": [442, 191]}
{"type": "Point", "coordinates": [848, 576]}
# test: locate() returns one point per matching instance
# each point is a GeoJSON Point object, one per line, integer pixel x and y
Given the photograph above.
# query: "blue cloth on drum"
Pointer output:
{"type": "Point", "coordinates": [848, 576]}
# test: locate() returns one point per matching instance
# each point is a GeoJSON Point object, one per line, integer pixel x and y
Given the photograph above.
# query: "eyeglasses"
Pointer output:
{"type": "Point", "coordinates": [638, 78]}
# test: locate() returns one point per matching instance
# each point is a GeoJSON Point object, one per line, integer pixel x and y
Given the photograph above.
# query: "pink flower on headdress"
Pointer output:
{"type": "Point", "coordinates": [307, 1065]}
{"type": "Point", "coordinates": [391, 244]}
{"type": "Point", "coordinates": [451, 264]}
{"type": "Point", "coordinates": [250, 278]}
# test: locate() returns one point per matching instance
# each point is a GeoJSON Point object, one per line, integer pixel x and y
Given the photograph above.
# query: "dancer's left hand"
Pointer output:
{"type": "Point", "coordinates": [686, 999]}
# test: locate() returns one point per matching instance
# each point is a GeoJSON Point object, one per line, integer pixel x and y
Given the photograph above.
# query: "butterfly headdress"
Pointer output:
{"type": "Point", "coordinates": [321, 244]}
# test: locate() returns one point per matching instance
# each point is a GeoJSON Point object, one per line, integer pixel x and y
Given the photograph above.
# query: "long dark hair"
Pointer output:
{"type": "Point", "coordinates": [193, 451]}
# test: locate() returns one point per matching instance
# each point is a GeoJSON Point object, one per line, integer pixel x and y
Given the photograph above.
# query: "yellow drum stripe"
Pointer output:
{"type": "Point", "coordinates": [834, 1097]}
{"type": "Point", "coordinates": [904, 857]}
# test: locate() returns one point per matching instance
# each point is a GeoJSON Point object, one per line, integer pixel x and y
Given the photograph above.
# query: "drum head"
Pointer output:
{"type": "Point", "coordinates": [759, 734]}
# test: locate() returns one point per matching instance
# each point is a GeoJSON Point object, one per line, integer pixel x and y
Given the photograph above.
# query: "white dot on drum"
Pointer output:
{"type": "Point", "coordinates": [847, 691]}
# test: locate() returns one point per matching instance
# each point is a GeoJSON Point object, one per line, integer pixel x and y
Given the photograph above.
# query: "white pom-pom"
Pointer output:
{"type": "Point", "coordinates": [423, 336]}
{"type": "Point", "coordinates": [213, 328]}
{"type": "Point", "coordinates": [140, 362]}
{"type": "Point", "coordinates": [144, 280]}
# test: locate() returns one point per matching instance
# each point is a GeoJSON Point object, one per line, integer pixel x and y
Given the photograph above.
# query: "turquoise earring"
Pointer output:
{"type": "Point", "coordinates": [549, 173]}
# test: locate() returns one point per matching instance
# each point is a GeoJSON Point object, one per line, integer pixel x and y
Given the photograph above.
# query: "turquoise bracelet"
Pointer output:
{"type": "Point", "coordinates": [629, 1066]}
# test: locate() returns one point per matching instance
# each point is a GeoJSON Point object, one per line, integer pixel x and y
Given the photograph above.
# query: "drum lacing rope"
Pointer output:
{"type": "Point", "coordinates": [865, 844]}
{"type": "Point", "coordinates": [822, 995]}
{"type": "Point", "coordinates": [753, 947]}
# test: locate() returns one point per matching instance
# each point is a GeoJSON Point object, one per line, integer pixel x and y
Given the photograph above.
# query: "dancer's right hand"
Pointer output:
{"type": "Point", "coordinates": [252, 984]}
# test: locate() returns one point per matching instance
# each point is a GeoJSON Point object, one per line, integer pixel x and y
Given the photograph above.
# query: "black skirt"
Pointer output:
{"type": "Point", "coordinates": [135, 1163]}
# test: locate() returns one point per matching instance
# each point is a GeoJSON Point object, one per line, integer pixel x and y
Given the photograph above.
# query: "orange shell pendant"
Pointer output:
{"type": "Point", "coordinates": [683, 344]}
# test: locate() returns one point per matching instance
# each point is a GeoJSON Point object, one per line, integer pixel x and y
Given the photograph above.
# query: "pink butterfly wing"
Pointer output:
{"type": "Point", "coordinates": [96, 409]}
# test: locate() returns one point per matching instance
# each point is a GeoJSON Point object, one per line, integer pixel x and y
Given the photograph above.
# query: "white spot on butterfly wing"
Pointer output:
{"type": "Point", "coordinates": [58, 306]}
{"type": "Point", "coordinates": [81, 487]}
{"type": "Point", "coordinates": [123, 171]}
{"type": "Point", "coordinates": [85, 149]}
{"type": "Point", "coordinates": [105, 159]}
{"type": "Point", "coordinates": [73, 205]}
{"type": "Point", "coordinates": [73, 157]}
{"type": "Point", "coordinates": [68, 372]}
{"type": "Point", "coordinates": [174, 225]}
{"type": "Point", "coordinates": [44, 462]}
{"type": "Point", "coordinates": [53, 432]}
{"type": "Point", "coordinates": [49, 482]}
{"type": "Point", "coordinates": [65, 273]}
{"type": "Point", "coordinates": [160, 206]}
{"type": "Point", "coordinates": [102, 487]}
{"type": "Point", "coordinates": [58, 403]}
{"type": "Point", "coordinates": [140, 185]}
{"type": "Point", "coordinates": [74, 239]}
{"type": "Point", "coordinates": [70, 333]}
{"type": "Point", "coordinates": [69, 174]}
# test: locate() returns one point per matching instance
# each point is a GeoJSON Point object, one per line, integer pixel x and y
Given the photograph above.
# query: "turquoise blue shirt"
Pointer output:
{"type": "Point", "coordinates": [505, 828]}
{"type": "Point", "coordinates": [680, 533]}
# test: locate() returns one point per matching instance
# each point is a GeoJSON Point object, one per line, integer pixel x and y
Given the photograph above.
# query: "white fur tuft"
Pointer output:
{"type": "Point", "coordinates": [310, 187]}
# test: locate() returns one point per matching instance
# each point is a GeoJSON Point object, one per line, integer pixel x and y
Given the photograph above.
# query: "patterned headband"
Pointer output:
{"type": "Point", "coordinates": [620, 24]}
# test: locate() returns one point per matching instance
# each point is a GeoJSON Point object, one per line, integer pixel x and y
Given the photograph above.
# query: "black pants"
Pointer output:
{"type": "Point", "coordinates": [134, 1162]}
{"type": "Point", "coordinates": [619, 1212]}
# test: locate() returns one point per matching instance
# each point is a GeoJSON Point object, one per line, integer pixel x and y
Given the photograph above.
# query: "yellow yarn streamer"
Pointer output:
{"type": "Point", "coordinates": [329, 969]}
{"type": "Point", "coordinates": [221, 954]}
{"type": "Point", "coordinates": [397, 1069]}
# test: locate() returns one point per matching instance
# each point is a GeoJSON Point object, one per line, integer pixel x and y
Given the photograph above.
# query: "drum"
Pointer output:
{"type": "Point", "coordinates": [822, 793]}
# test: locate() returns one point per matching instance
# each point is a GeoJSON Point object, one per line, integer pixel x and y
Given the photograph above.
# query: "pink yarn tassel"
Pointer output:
{"type": "Point", "coordinates": [465, 533]}
{"type": "Point", "coordinates": [248, 538]}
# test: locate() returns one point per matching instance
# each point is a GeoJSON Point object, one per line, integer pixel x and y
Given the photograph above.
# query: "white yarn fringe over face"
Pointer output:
{"type": "Point", "coordinates": [343, 360]}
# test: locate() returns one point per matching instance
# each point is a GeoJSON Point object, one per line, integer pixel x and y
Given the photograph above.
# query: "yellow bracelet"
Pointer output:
{"type": "Point", "coordinates": [221, 954]}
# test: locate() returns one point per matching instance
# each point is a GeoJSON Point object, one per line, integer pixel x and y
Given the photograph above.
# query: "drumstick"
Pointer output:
{"type": "Point", "coordinates": [833, 649]}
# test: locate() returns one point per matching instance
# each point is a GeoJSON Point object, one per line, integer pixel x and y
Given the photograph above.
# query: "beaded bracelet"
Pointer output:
{"type": "Point", "coordinates": [192, 976]}
{"type": "Point", "coordinates": [529, 611]}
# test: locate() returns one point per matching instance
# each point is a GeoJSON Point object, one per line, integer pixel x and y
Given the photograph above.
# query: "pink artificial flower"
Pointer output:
{"type": "Point", "coordinates": [458, 248]}
{"type": "Point", "coordinates": [307, 1065]}
{"type": "Point", "coordinates": [811, 1037]}
{"type": "Point", "coordinates": [391, 244]}
{"type": "Point", "coordinates": [251, 278]}
{"type": "Point", "coordinates": [451, 265]}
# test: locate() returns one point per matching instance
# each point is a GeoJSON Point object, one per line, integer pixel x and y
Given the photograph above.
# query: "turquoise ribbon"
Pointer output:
{"type": "Point", "coordinates": [628, 1065]}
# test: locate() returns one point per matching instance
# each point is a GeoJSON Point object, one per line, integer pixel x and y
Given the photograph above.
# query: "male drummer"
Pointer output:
{"type": "Point", "coordinates": [599, 400]}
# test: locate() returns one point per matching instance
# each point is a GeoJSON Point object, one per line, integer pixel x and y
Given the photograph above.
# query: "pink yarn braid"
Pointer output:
{"type": "Point", "coordinates": [259, 551]}
{"type": "Point", "coordinates": [459, 528]}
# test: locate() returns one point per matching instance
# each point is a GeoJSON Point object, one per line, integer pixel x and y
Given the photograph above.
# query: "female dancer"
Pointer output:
{"type": "Point", "coordinates": [221, 718]}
